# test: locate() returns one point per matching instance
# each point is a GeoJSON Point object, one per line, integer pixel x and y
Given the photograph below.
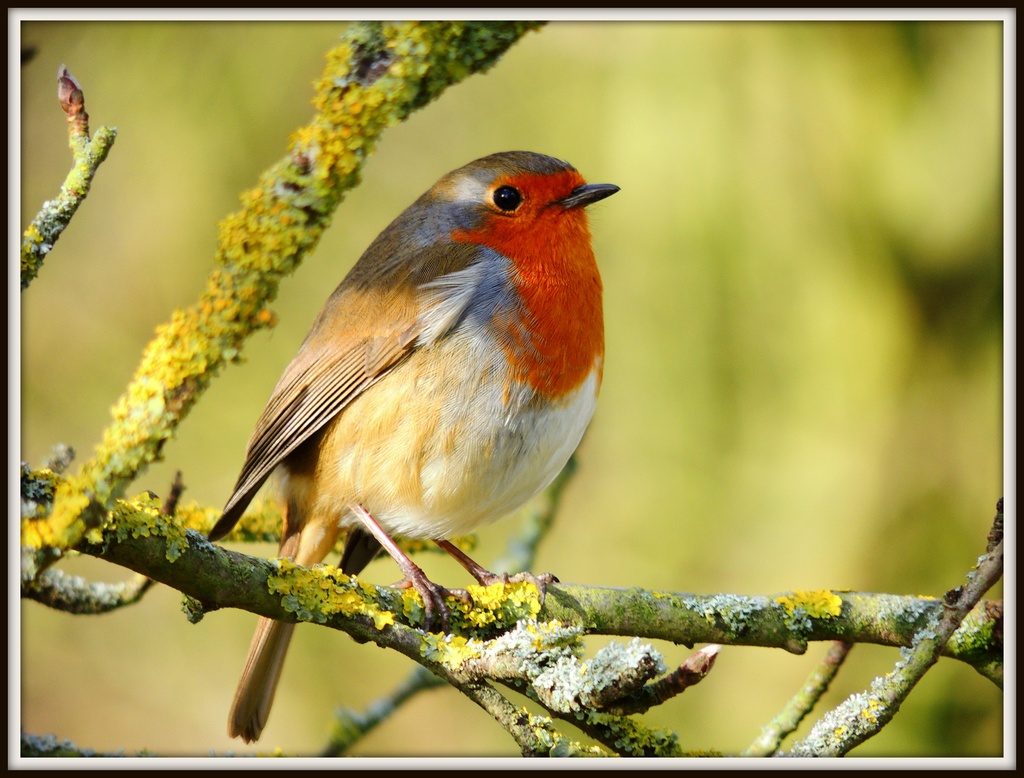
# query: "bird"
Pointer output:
{"type": "Point", "coordinates": [446, 382]}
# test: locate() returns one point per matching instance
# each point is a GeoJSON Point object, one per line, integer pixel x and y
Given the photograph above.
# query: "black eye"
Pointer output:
{"type": "Point", "coordinates": [507, 198]}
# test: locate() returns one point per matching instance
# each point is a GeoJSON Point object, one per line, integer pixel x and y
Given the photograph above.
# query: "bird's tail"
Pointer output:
{"type": "Point", "coordinates": [255, 693]}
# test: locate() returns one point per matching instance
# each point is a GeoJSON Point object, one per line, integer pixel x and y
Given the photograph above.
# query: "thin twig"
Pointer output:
{"type": "Point", "coordinates": [691, 672]}
{"type": "Point", "coordinates": [351, 726]}
{"type": "Point", "coordinates": [789, 718]}
{"type": "Point", "coordinates": [89, 153]}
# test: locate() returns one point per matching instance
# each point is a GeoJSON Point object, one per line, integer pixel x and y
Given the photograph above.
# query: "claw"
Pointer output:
{"type": "Point", "coordinates": [486, 578]}
{"type": "Point", "coordinates": [433, 596]}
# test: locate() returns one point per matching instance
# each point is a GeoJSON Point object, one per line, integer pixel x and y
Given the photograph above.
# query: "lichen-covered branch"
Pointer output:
{"type": "Point", "coordinates": [544, 660]}
{"type": "Point", "coordinates": [690, 672]}
{"type": "Point", "coordinates": [863, 715]}
{"type": "Point", "coordinates": [375, 78]}
{"type": "Point", "coordinates": [139, 538]}
{"type": "Point", "coordinates": [88, 154]}
{"type": "Point", "coordinates": [505, 635]}
{"type": "Point", "coordinates": [73, 594]}
{"type": "Point", "coordinates": [775, 621]}
{"type": "Point", "coordinates": [783, 725]}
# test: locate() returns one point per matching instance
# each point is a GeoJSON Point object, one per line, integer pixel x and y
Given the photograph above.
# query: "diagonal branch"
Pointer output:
{"type": "Point", "coordinates": [784, 724]}
{"type": "Point", "coordinates": [863, 715]}
{"type": "Point", "coordinates": [377, 76]}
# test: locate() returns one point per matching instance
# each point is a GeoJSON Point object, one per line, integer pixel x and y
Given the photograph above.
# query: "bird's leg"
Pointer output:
{"type": "Point", "coordinates": [486, 578]}
{"type": "Point", "coordinates": [432, 594]}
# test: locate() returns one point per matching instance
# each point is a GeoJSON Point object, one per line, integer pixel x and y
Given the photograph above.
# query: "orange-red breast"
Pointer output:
{"type": "Point", "coordinates": [446, 381]}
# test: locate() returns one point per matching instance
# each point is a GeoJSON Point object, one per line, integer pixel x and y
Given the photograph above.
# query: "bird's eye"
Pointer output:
{"type": "Point", "coordinates": [507, 198]}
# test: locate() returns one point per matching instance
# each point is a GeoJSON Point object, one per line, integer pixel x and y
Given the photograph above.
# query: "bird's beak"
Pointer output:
{"type": "Point", "coordinates": [586, 194]}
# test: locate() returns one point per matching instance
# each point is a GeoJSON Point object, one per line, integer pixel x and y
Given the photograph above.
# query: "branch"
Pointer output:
{"type": "Point", "coordinates": [88, 153]}
{"type": "Point", "coordinates": [377, 76]}
{"type": "Point", "coordinates": [863, 715]}
{"type": "Point", "coordinates": [350, 727]}
{"type": "Point", "coordinates": [785, 724]}
{"type": "Point", "coordinates": [505, 634]}
{"type": "Point", "coordinates": [142, 539]}
{"type": "Point", "coordinates": [75, 595]}
{"type": "Point", "coordinates": [858, 617]}
{"type": "Point", "coordinates": [691, 672]}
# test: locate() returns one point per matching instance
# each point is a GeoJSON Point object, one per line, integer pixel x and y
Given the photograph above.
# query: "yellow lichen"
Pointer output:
{"type": "Point", "coordinates": [818, 604]}
{"type": "Point", "coordinates": [450, 650]}
{"type": "Point", "coordinates": [319, 592]}
{"type": "Point", "coordinates": [142, 517]}
{"type": "Point", "coordinates": [871, 711]}
{"type": "Point", "coordinates": [498, 605]}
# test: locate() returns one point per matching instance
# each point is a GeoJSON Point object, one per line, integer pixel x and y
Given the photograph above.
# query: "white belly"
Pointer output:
{"type": "Point", "coordinates": [433, 453]}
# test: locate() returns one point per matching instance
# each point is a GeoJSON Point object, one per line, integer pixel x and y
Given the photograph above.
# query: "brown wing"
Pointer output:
{"type": "Point", "coordinates": [368, 326]}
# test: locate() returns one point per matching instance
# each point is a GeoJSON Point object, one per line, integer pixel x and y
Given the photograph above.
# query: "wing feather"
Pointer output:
{"type": "Point", "coordinates": [344, 355]}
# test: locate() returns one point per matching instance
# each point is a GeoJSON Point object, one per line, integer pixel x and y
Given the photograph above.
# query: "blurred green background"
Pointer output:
{"type": "Point", "coordinates": [803, 385]}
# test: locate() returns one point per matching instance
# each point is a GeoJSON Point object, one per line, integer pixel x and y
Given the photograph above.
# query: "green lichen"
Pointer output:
{"type": "Point", "coordinates": [893, 614]}
{"type": "Point", "coordinates": [53, 218]}
{"type": "Point", "coordinates": [554, 743]}
{"type": "Point", "coordinates": [976, 635]}
{"type": "Point", "coordinates": [630, 737]}
{"type": "Point", "coordinates": [319, 592]}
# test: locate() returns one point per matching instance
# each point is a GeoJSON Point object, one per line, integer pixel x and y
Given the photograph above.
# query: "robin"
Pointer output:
{"type": "Point", "coordinates": [446, 382]}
